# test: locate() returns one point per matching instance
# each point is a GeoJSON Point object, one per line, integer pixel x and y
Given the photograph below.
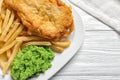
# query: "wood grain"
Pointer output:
{"type": "Point", "coordinates": [86, 78]}
{"type": "Point", "coordinates": [99, 57]}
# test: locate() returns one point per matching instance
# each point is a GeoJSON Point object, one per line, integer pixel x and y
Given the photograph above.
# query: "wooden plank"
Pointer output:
{"type": "Point", "coordinates": [108, 41]}
{"type": "Point", "coordinates": [99, 56]}
{"type": "Point", "coordinates": [86, 78]}
{"type": "Point", "coordinates": [92, 64]}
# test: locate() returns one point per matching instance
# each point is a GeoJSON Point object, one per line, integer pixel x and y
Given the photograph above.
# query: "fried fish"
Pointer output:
{"type": "Point", "coordinates": [51, 19]}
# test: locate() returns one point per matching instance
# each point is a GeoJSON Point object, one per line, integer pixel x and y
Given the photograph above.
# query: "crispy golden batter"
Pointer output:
{"type": "Point", "coordinates": [51, 19]}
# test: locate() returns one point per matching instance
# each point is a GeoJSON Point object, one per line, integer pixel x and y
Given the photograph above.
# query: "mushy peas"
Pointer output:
{"type": "Point", "coordinates": [31, 61]}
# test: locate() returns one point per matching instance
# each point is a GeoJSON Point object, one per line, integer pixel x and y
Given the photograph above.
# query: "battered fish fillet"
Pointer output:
{"type": "Point", "coordinates": [51, 19]}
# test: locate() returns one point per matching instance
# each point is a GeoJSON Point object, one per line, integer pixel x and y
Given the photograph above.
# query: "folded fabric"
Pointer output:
{"type": "Point", "coordinates": [107, 11]}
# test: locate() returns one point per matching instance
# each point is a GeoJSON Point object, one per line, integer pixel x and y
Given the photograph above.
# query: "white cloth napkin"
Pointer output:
{"type": "Point", "coordinates": [107, 11]}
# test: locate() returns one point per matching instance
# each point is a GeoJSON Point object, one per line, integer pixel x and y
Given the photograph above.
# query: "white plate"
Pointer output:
{"type": "Point", "coordinates": [61, 59]}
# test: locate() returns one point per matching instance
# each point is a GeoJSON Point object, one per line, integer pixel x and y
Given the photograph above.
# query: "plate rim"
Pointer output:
{"type": "Point", "coordinates": [75, 51]}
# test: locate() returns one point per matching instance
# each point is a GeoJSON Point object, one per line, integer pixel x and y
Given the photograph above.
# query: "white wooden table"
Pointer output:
{"type": "Point", "coordinates": [99, 57]}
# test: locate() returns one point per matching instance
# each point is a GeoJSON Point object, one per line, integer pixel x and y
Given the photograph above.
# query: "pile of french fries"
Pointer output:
{"type": "Point", "coordinates": [59, 46]}
{"type": "Point", "coordinates": [14, 36]}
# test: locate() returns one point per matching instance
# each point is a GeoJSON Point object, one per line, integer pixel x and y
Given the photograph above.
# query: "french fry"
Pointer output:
{"type": "Point", "coordinates": [63, 44]}
{"type": "Point", "coordinates": [14, 53]}
{"type": "Point", "coordinates": [57, 49]}
{"type": "Point", "coordinates": [15, 26]}
{"type": "Point", "coordinates": [2, 16]}
{"type": "Point", "coordinates": [30, 38]}
{"type": "Point", "coordinates": [1, 44]}
{"type": "Point", "coordinates": [2, 50]}
{"type": "Point", "coordinates": [3, 57]}
{"type": "Point", "coordinates": [0, 26]}
{"type": "Point", "coordinates": [42, 43]}
{"type": "Point", "coordinates": [1, 1]}
{"type": "Point", "coordinates": [3, 66]}
{"type": "Point", "coordinates": [7, 27]}
{"type": "Point", "coordinates": [3, 13]}
{"type": "Point", "coordinates": [8, 53]}
{"type": "Point", "coordinates": [8, 12]}
{"type": "Point", "coordinates": [3, 60]}
{"type": "Point", "coordinates": [15, 34]}
{"type": "Point", "coordinates": [17, 21]}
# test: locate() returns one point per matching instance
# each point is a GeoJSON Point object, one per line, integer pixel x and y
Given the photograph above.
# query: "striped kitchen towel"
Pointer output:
{"type": "Point", "coordinates": [107, 11]}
